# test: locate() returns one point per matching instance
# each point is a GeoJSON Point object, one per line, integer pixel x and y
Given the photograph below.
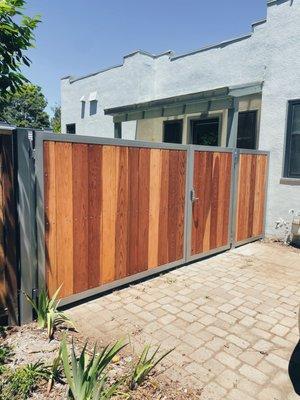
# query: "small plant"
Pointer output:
{"type": "Point", "coordinates": [86, 375]}
{"type": "Point", "coordinates": [55, 371]}
{"type": "Point", "coordinates": [145, 365]}
{"type": "Point", "coordinates": [47, 312]}
{"type": "Point", "coordinates": [5, 354]}
{"type": "Point", "coordinates": [19, 384]}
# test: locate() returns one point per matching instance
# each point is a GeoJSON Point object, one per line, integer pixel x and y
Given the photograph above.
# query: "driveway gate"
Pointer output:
{"type": "Point", "coordinates": [97, 213]}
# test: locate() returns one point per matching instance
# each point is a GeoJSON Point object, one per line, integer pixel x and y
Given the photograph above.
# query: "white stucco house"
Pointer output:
{"type": "Point", "coordinates": [243, 92]}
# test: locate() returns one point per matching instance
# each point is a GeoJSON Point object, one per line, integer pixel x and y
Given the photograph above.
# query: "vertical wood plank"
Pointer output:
{"type": "Point", "coordinates": [163, 238]}
{"type": "Point", "coordinates": [181, 193]}
{"type": "Point", "coordinates": [143, 202]}
{"type": "Point", "coordinates": [50, 216]}
{"type": "Point", "coordinates": [64, 216]}
{"type": "Point", "coordinates": [80, 217]}
{"type": "Point", "coordinates": [207, 201]}
{"type": "Point", "coordinates": [121, 240]}
{"type": "Point", "coordinates": [154, 206]}
{"type": "Point", "coordinates": [133, 214]}
{"type": "Point", "coordinates": [109, 206]}
{"type": "Point", "coordinates": [94, 222]}
{"type": "Point", "coordinates": [216, 160]}
{"type": "Point", "coordinates": [173, 203]}
{"type": "Point", "coordinates": [252, 185]}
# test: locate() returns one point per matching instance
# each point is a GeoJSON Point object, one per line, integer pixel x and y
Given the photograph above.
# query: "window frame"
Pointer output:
{"type": "Point", "coordinates": [256, 112]}
{"type": "Point", "coordinates": [71, 133]}
{"type": "Point", "coordinates": [205, 116]}
{"type": "Point", "coordinates": [288, 140]}
{"type": "Point", "coordinates": [172, 121]}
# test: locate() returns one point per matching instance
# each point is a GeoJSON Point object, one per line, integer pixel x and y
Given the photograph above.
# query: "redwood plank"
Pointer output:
{"type": "Point", "coordinates": [154, 206]}
{"type": "Point", "coordinates": [94, 222]}
{"type": "Point", "coordinates": [133, 215]}
{"type": "Point", "coordinates": [143, 202]}
{"type": "Point", "coordinates": [207, 201]}
{"type": "Point", "coordinates": [109, 206]}
{"type": "Point", "coordinates": [50, 217]}
{"type": "Point", "coordinates": [64, 216]}
{"type": "Point", "coordinates": [182, 156]}
{"type": "Point", "coordinates": [163, 238]}
{"type": "Point", "coordinates": [80, 217]}
{"type": "Point", "coordinates": [121, 239]}
{"type": "Point", "coordinates": [252, 185]}
{"type": "Point", "coordinates": [214, 200]}
{"type": "Point", "coordinates": [173, 203]}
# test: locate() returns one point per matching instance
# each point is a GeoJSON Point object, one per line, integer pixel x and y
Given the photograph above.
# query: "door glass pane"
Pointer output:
{"type": "Point", "coordinates": [173, 131]}
{"type": "Point", "coordinates": [205, 132]}
{"type": "Point", "coordinates": [296, 119]}
{"type": "Point", "coordinates": [295, 155]}
{"type": "Point", "coordinates": [246, 137]}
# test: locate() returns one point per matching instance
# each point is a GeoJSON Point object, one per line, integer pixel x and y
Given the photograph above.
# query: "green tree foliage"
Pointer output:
{"type": "Point", "coordinates": [56, 119]}
{"type": "Point", "coordinates": [26, 108]}
{"type": "Point", "coordinates": [16, 36]}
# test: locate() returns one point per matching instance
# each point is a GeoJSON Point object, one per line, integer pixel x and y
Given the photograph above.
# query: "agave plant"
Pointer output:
{"type": "Point", "coordinates": [86, 375]}
{"type": "Point", "coordinates": [48, 315]}
{"type": "Point", "coordinates": [145, 365]}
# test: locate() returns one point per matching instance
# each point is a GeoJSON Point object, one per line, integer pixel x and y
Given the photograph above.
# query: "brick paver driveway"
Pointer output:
{"type": "Point", "coordinates": [233, 319]}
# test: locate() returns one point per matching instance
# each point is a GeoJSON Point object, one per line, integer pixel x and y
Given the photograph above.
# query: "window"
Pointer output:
{"type": "Point", "coordinates": [246, 136]}
{"type": "Point", "coordinates": [93, 107]}
{"type": "Point", "coordinates": [173, 131]}
{"type": "Point", "coordinates": [82, 109]}
{"type": "Point", "coordinates": [205, 131]}
{"type": "Point", "coordinates": [71, 128]}
{"type": "Point", "coordinates": [292, 152]}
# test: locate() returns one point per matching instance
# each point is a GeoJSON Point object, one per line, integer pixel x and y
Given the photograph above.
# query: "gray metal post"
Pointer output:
{"type": "Point", "coordinates": [233, 119]}
{"type": "Point", "coordinates": [26, 220]}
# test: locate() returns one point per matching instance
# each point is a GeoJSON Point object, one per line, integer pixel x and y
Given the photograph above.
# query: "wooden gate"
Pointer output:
{"type": "Point", "coordinates": [113, 211]}
{"type": "Point", "coordinates": [250, 192]}
{"type": "Point", "coordinates": [211, 191]}
{"type": "Point", "coordinates": [8, 263]}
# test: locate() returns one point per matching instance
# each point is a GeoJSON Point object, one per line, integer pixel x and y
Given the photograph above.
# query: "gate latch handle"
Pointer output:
{"type": "Point", "coordinates": [193, 196]}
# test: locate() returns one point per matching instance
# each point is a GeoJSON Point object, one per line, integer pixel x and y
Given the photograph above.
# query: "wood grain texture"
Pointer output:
{"type": "Point", "coordinates": [121, 239]}
{"type": "Point", "coordinates": [94, 214]}
{"type": "Point", "coordinates": [154, 207]}
{"type": "Point", "coordinates": [143, 204]}
{"type": "Point", "coordinates": [50, 217]}
{"type": "Point", "coordinates": [210, 213]}
{"type": "Point", "coordinates": [111, 212]}
{"type": "Point", "coordinates": [64, 217]}
{"type": "Point", "coordinates": [80, 173]}
{"type": "Point", "coordinates": [251, 196]}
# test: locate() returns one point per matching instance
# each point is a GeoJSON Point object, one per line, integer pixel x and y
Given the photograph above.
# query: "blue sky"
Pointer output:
{"type": "Point", "coordinates": [77, 37]}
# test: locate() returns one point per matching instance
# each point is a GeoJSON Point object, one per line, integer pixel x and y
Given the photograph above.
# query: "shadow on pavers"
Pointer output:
{"type": "Point", "coordinates": [294, 368]}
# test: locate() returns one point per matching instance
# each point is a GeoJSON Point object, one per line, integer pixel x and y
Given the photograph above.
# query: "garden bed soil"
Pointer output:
{"type": "Point", "coordinates": [30, 345]}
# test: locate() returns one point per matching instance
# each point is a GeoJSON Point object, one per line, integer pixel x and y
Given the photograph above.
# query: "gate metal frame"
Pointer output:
{"type": "Point", "coordinates": [41, 137]}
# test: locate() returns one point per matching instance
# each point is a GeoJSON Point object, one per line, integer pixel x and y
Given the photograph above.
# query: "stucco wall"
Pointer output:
{"type": "Point", "coordinates": [270, 54]}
